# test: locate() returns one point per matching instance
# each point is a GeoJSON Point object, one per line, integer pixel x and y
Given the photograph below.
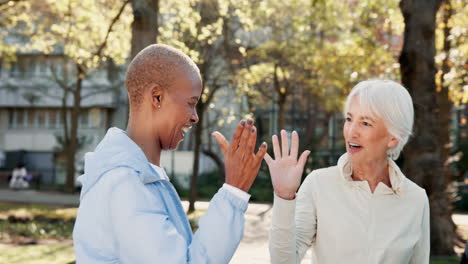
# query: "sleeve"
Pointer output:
{"type": "Point", "coordinates": [236, 191]}
{"type": "Point", "coordinates": [293, 226]}
{"type": "Point", "coordinates": [421, 250]}
{"type": "Point", "coordinates": [145, 233]}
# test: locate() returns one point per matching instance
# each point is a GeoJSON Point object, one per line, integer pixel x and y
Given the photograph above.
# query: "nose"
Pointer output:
{"type": "Point", "coordinates": [194, 119]}
{"type": "Point", "coordinates": [354, 130]}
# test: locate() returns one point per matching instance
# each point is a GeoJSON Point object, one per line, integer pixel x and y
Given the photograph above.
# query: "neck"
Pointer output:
{"type": "Point", "coordinates": [373, 172]}
{"type": "Point", "coordinates": [140, 133]}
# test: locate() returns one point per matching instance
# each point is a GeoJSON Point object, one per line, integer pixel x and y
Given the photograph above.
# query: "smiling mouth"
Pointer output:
{"type": "Point", "coordinates": [185, 130]}
{"type": "Point", "coordinates": [354, 147]}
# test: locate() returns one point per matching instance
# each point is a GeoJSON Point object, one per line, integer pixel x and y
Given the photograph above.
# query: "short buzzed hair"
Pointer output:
{"type": "Point", "coordinates": [156, 64]}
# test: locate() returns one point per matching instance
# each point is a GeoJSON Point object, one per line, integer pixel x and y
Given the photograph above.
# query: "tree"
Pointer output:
{"type": "Point", "coordinates": [144, 25]}
{"type": "Point", "coordinates": [452, 47]}
{"type": "Point", "coordinates": [88, 33]}
{"type": "Point", "coordinates": [15, 16]}
{"type": "Point", "coordinates": [424, 164]}
{"type": "Point", "coordinates": [144, 30]}
{"type": "Point", "coordinates": [304, 59]}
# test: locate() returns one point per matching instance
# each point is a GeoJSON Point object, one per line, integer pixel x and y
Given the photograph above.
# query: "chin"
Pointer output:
{"type": "Point", "coordinates": [173, 145]}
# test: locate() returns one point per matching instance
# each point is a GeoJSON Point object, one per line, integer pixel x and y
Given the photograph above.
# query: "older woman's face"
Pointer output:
{"type": "Point", "coordinates": [367, 139]}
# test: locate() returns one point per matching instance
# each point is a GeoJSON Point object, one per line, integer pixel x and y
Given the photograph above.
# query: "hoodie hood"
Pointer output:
{"type": "Point", "coordinates": [115, 150]}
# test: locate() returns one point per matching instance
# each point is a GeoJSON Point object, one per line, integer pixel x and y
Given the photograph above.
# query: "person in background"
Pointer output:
{"type": "Point", "coordinates": [363, 210]}
{"type": "Point", "coordinates": [18, 175]}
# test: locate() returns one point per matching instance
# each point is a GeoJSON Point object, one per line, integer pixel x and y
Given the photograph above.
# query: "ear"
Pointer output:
{"type": "Point", "coordinates": [393, 142]}
{"type": "Point", "coordinates": [157, 95]}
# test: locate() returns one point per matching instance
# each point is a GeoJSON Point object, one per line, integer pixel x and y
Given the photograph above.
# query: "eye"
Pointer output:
{"type": "Point", "coordinates": [348, 119]}
{"type": "Point", "coordinates": [366, 124]}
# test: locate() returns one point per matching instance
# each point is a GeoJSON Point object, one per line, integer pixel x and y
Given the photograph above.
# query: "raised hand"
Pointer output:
{"type": "Point", "coordinates": [285, 169]}
{"type": "Point", "coordinates": [241, 163]}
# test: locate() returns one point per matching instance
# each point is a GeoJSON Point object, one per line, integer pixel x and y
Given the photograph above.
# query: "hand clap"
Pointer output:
{"type": "Point", "coordinates": [285, 169]}
{"type": "Point", "coordinates": [241, 163]}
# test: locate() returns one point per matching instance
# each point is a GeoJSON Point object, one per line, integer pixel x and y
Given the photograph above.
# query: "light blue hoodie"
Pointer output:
{"type": "Point", "coordinates": [130, 214]}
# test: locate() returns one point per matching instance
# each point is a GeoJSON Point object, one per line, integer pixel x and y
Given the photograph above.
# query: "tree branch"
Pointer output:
{"type": "Point", "coordinates": [109, 30]}
{"type": "Point", "coordinates": [60, 82]}
{"type": "Point", "coordinates": [108, 89]}
{"type": "Point", "coordinates": [219, 162]}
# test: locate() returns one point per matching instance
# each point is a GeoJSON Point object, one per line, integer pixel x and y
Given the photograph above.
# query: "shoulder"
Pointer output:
{"type": "Point", "coordinates": [415, 193]}
{"type": "Point", "coordinates": [119, 177]}
{"type": "Point", "coordinates": [127, 190]}
{"type": "Point", "coordinates": [321, 177]}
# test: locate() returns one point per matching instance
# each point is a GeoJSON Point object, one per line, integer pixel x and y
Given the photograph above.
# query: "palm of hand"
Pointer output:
{"type": "Point", "coordinates": [286, 169]}
{"type": "Point", "coordinates": [285, 174]}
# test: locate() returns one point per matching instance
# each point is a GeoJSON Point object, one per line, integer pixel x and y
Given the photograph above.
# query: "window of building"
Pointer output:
{"type": "Point", "coordinates": [42, 63]}
{"type": "Point", "coordinates": [14, 69]}
{"type": "Point", "coordinates": [95, 116]}
{"type": "Point", "coordinates": [84, 118]}
{"type": "Point", "coordinates": [30, 113]}
{"type": "Point", "coordinates": [41, 118]}
{"type": "Point", "coordinates": [53, 116]}
{"type": "Point", "coordinates": [20, 118]}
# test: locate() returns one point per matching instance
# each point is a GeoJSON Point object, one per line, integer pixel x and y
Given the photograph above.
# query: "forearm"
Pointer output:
{"type": "Point", "coordinates": [220, 229]}
{"type": "Point", "coordinates": [282, 242]}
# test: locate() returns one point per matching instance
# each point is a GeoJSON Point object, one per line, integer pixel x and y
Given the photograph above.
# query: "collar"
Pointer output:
{"type": "Point", "coordinates": [131, 155]}
{"type": "Point", "coordinates": [396, 177]}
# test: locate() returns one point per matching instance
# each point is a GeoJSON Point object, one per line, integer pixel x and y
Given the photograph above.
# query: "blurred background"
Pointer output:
{"type": "Point", "coordinates": [288, 64]}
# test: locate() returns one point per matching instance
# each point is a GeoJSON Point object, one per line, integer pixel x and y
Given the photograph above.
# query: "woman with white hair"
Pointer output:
{"type": "Point", "coordinates": [363, 210]}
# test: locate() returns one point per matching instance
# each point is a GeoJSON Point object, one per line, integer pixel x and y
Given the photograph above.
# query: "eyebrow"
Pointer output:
{"type": "Point", "coordinates": [363, 117]}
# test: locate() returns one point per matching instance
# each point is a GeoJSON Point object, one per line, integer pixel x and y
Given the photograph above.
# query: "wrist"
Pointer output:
{"type": "Point", "coordinates": [286, 196]}
{"type": "Point", "coordinates": [238, 186]}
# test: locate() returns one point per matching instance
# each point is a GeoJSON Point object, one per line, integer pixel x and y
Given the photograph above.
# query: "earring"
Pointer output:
{"type": "Point", "coordinates": [159, 106]}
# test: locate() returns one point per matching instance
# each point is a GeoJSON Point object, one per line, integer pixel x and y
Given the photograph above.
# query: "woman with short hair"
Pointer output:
{"type": "Point", "coordinates": [364, 209]}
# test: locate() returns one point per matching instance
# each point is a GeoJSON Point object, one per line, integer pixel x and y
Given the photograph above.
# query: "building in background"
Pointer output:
{"type": "Point", "coordinates": [32, 126]}
{"type": "Point", "coordinates": [31, 107]}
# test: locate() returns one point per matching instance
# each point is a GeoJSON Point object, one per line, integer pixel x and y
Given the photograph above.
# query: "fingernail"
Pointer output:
{"type": "Point", "coordinates": [252, 129]}
{"type": "Point", "coordinates": [249, 121]}
{"type": "Point", "coordinates": [243, 123]}
{"type": "Point", "coordinates": [263, 145]}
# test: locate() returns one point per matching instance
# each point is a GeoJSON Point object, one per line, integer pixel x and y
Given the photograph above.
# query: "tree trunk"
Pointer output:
{"type": "Point", "coordinates": [145, 24]}
{"type": "Point", "coordinates": [424, 163]}
{"type": "Point", "coordinates": [196, 160]}
{"type": "Point", "coordinates": [282, 95]}
{"type": "Point", "coordinates": [281, 112]}
{"type": "Point", "coordinates": [443, 99]}
{"type": "Point", "coordinates": [144, 33]}
{"type": "Point", "coordinates": [72, 144]}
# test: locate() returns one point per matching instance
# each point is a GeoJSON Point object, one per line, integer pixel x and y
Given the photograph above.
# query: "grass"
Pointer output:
{"type": "Point", "coordinates": [445, 260]}
{"type": "Point", "coordinates": [28, 224]}
{"type": "Point", "coordinates": [61, 253]}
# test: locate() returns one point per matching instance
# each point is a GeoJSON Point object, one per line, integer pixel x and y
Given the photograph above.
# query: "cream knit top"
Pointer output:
{"type": "Point", "coordinates": [344, 222]}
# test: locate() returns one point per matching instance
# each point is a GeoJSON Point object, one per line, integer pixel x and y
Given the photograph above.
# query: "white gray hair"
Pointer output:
{"type": "Point", "coordinates": [389, 101]}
